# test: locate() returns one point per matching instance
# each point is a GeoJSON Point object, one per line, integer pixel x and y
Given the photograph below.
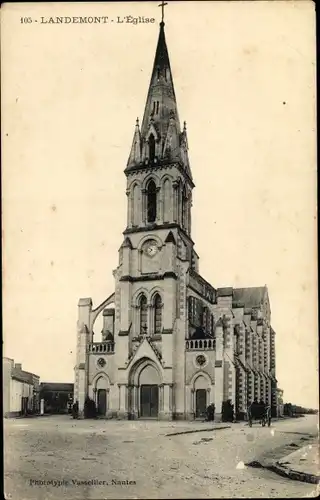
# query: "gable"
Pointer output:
{"type": "Point", "coordinates": [144, 350]}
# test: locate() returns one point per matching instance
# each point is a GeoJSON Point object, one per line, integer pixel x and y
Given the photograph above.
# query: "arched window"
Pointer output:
{"type": "Point", "coordinates": [143, 314]}
{"type": "Point", "coordinates": [135, 205]}
{"type": "Point", "coordinates": [151, 201]}
{"type": "Point", "coordinates": [167, 195]}
{"type": "Point", "coordinates": [157, 314]}
{"type": "Point", "coordinates": [152, 147]}
{"type": "Point", "coordinates": [179, 202]}
{"type": "Point", "coordinates": [184, 209]}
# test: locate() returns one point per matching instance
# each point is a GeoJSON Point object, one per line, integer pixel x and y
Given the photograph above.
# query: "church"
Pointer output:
{"type": "Point", "coordinates": [171, 342]}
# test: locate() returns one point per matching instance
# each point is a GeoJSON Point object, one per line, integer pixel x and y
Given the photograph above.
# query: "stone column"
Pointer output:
{"type": "Point", "coordinates": [131, 401]}
{"type": "Point", "coordinates": [161, 396]}
{"type": "Point", "coordinates": [95, 396]}
{"type": "Point", "coordinates": [144, 206]}
{"type": "Point", "coordinates": [161, 402]}
{"type": "Point", "coordinates": [123, 403]}
{"type": "Point", "coordinates": [252, 383]}
{"type": "Point", "coordinates": [129, 208]}
{"type": "Point", "coordinates": [108, 404]}
{"type": "Point", "coordinates": [135, 401]}
{"type": "Point", "coordinates": [219, 369]}
{"type": "Point", "coordinates": [159, 211]}
{"type": "Point", "coordinates": [175, 202]}
{"type": "Point", "coordinates": [189, 403]}
{"type": "Point", "coordinates": [138, 400]}
{"type": "Point", "coordinates": [171, 399]}
{"type": "Point", "coordinates": [151, 325]}
{"type": "Point", "coordinates": [82, 359]}
{"type": "Point", "coordinates": [208, 400]}
{"type": "Point", "coordinates": [166, 412]}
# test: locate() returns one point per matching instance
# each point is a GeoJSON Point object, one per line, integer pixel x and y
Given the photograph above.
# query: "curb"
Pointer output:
{"type": "Point", "coordinates": [305, 477]}
{"type": "Point", "coordinates": [199, 430]}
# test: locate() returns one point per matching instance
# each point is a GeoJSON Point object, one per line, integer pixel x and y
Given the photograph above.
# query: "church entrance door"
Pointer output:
{"type": "Point", "coordinates": [102, 401]}
{"type": "Point", "coordinates": [149, 401]}
{"type": "Point", "coordinates": [201, 402]}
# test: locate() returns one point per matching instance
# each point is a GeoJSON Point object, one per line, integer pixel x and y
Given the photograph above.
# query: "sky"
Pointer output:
{"type": "Point", "coordinates": [244, 76]}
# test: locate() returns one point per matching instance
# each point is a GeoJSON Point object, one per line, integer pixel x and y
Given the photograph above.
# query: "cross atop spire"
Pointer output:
{"type": "Point", "coordinates": [162, 4]}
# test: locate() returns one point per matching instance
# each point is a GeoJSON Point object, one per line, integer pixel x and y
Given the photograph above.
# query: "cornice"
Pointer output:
{"type": "Point", "coordinates": [150, 277]}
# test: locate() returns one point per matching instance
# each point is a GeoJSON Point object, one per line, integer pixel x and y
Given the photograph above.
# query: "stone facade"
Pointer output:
{"type": "Point", "coordinates": [171, 342]}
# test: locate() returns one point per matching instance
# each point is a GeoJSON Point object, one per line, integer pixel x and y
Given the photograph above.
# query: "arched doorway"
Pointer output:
{"type": "Point", "coordinates": [201, 393]}
{"type": "Point", "coordinates": [145, 396]}
{"type": "Point", "coordinates": [102, 391]}
{"type": "Point", "coordinates": [149, 392]}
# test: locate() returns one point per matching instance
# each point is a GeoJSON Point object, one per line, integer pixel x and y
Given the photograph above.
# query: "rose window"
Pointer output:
{"type": "Point", "coordinates": [201, 360]}
{"type": "Point", "coordinates": [101, 362]}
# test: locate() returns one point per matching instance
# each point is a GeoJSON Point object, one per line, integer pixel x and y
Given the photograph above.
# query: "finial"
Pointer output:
{"type": "Point", "coordinates": [184, 125]}
{"type": "Point", "coordinates": [137, 122]}
{"type": "Point", "coordinates": [162, 4]}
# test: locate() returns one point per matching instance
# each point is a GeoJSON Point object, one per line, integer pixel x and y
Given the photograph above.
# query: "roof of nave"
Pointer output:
{"type": "Point", "coordinates": [251, 296]}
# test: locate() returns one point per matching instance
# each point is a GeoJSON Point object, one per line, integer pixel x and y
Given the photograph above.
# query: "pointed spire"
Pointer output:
{"type": "Point", "coordinates": [160, 139]}
{"type": "Point", "coordinates": [161, 98]}
{"type": "Point", "coordinates": [161, 60]}
{"type": "Point", "coordinates": [135, 153]}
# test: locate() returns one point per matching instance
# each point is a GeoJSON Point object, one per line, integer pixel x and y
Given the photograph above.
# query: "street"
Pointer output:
{"type": "Point", "coordinates": [54, 457]}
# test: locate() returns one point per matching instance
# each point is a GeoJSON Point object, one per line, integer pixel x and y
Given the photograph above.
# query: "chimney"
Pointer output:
{"type": "Point", "coordinates": [18, 366]}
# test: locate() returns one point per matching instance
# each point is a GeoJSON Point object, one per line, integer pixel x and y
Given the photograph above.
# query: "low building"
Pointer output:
{"type": "Point", "coordinates": [20, 390]}
{"type": "Point", "coordinates": [57, 397]}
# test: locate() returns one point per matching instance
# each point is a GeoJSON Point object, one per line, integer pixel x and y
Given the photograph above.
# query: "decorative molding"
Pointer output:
{"type": "Point", "coordinates": [149, 277]}
{"type": "Point", "coordinates": [153, 226]}
{"type": "Point", "coordinates": [161, 164]}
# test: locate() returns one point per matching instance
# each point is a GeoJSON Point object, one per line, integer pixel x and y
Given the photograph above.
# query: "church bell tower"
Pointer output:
{"type": "Point", "coordinates": [157, 250]}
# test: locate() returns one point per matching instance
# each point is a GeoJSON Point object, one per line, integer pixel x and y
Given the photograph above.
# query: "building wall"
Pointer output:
{"type": "Point", "coordinates": [7, 366]}
{"type": "Point", "coordinates": [18, 391]}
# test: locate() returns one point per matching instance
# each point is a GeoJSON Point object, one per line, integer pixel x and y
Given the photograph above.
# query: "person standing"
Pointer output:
{"type": "Point", "coordinates": [213, 409]}
{"type": "Point", "coordinates": [75, 410]}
